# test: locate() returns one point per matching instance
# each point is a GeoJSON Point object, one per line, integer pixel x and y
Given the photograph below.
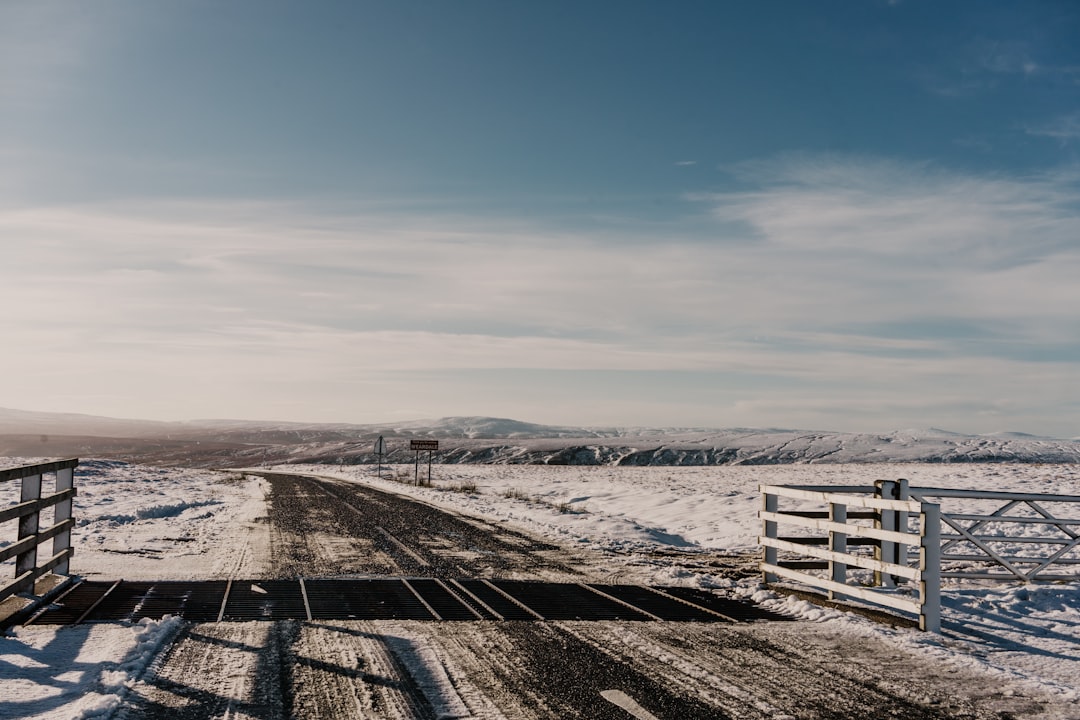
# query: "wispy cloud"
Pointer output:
{"type": "Point", "coordinates": [984, 65]}
{"type": "Point", "coordinates": [842, 281]}
{"type": "Point", "coordinates": [908, 212]}
{"type": "Point", "coordinates": [1064, 129]}
{"type": "Point", "coordinates": [1003, 58]}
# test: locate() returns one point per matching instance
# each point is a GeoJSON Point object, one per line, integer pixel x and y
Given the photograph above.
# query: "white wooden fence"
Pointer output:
{"type": "Point", "coordinates": [854, 522]}
{"type": "Point", "coordinates": [30, 533]}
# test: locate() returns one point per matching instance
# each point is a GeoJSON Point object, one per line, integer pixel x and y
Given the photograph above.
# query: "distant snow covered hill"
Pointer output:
{"type": "Point", "coordinates": [234, 443]}
{"type": "Point", "coordinates": [27, 422]}
{"type": "Point", "coordinates": [448, 427]}
{"type": "Point", "coordinates": [727, 447]}
{"type": "Point", "coordinates": [24, 422]}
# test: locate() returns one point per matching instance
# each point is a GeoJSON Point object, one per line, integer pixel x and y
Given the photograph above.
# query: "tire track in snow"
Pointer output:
{"type": "Point", "coordinates": [210, 670]}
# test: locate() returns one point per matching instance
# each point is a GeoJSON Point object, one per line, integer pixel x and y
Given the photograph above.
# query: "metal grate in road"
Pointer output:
{"type": "Point", "coordinates": [121, 602]}
{"type": "Point", "coordinates": [264, 600]}
{"type": "Point", "coordinates": [448, 604]}
{"type": "Point", "coordinates": [496, 601]}
{"type": "Point", "coordinates": [390, 599]}
{"type": "Point", "coordinates": [72, 605]}
{"type": "Point", "coordinates": [199, 601]}
{"type": "Point", "coordinates": [660, 604]}
{"type": "Point", "coordinates": [736, 610]}
{"type": "Point", "coordinates": [567, 602]}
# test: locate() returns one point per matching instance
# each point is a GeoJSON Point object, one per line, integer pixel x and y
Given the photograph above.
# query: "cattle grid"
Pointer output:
{"type": "Point", "coordinates": [389, 599]}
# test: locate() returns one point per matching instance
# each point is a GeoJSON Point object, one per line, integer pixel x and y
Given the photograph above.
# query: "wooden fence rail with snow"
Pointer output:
{"type": "Point", "coordinates": [30, 533]}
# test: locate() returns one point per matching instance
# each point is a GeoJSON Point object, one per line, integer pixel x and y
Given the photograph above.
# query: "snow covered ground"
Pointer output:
{"type": "Point", "coordinates": [137, 522]}
{"type": "Point", "coordinates": [141, 523]}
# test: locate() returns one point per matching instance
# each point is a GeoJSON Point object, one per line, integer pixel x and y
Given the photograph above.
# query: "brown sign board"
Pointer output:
{"type": "Point", "coordinates": [423, 444]}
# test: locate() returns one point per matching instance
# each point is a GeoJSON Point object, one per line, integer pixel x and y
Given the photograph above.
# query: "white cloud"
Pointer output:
{"type": "Point", "coordinates": [1008, 58]}
{"type": "Point", "coordinates": [916, 212]}
{"type": "Point", "coordinates": [1064, 129]}
{"type": "Point", "coordinates": [826, 298]}
{"type": "Point", "coordinates": [984, 65]}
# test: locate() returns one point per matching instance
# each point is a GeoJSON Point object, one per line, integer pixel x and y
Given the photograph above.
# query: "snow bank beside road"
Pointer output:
{"type": "Point", "coordinates": [76, 672]}
{"type": "Point", "coordinates": [141, 523]}
{"type": "Point", "coordinates": [135, 522]}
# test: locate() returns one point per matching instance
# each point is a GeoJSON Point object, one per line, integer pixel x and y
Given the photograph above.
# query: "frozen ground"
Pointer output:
{"type": "Point", "coordinates": [142, 523]}
{"type": "Point", "coordinates": [138, 522]}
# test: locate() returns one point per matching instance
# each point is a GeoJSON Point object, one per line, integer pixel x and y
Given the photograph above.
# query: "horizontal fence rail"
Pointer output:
{"type": "Point", "coordinates": [853, 523]}
{"type": "Point", "coordinates": [30, 534]}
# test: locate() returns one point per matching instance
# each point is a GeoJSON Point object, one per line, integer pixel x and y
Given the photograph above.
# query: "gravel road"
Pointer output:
{"type": "Point", "coordinates": [323, 527]}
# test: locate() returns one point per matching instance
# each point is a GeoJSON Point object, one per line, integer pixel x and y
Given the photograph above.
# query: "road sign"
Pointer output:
{"type": "Point", "coordinates": [418, 445]}
{"type": "Point", "coordinates": [380, 449]}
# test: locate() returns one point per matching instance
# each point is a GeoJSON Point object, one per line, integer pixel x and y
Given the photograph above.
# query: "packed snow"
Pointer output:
{"type": "Point", "coordinates": [139, 522]}
{"type": "Point", "coordinates": [76, 672]}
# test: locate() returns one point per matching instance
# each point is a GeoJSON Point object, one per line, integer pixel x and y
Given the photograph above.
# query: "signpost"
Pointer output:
{"type": "Point", "coordinates": [380, 448]}
{"type": "Point", "coordinates": [418, 445]}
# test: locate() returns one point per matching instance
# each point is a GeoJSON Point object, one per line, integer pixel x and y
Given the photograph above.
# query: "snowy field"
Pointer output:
{"type": "Point", "coordinates": [137, 522]}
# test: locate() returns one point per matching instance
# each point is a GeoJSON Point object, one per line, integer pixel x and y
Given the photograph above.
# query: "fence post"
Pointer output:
{"type": "Point", "coordinates": [65, 480]}
{"type": "Point", "coordinates": [886, 520]}
{"type": "Point", "coordinates": [30, 489]}
{"type": "Point", "coordinates": [837, 544]}
{"type": "Point", "coordinates": [930, 568]}
{"type": "Point", "coordinates": [900, 550]}
{"type": "Point", "coordinates": [769, 503]}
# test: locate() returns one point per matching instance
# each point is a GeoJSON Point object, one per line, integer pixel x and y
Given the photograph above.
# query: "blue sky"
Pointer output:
{"type": "Point", "coordinates": [851, 215]}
